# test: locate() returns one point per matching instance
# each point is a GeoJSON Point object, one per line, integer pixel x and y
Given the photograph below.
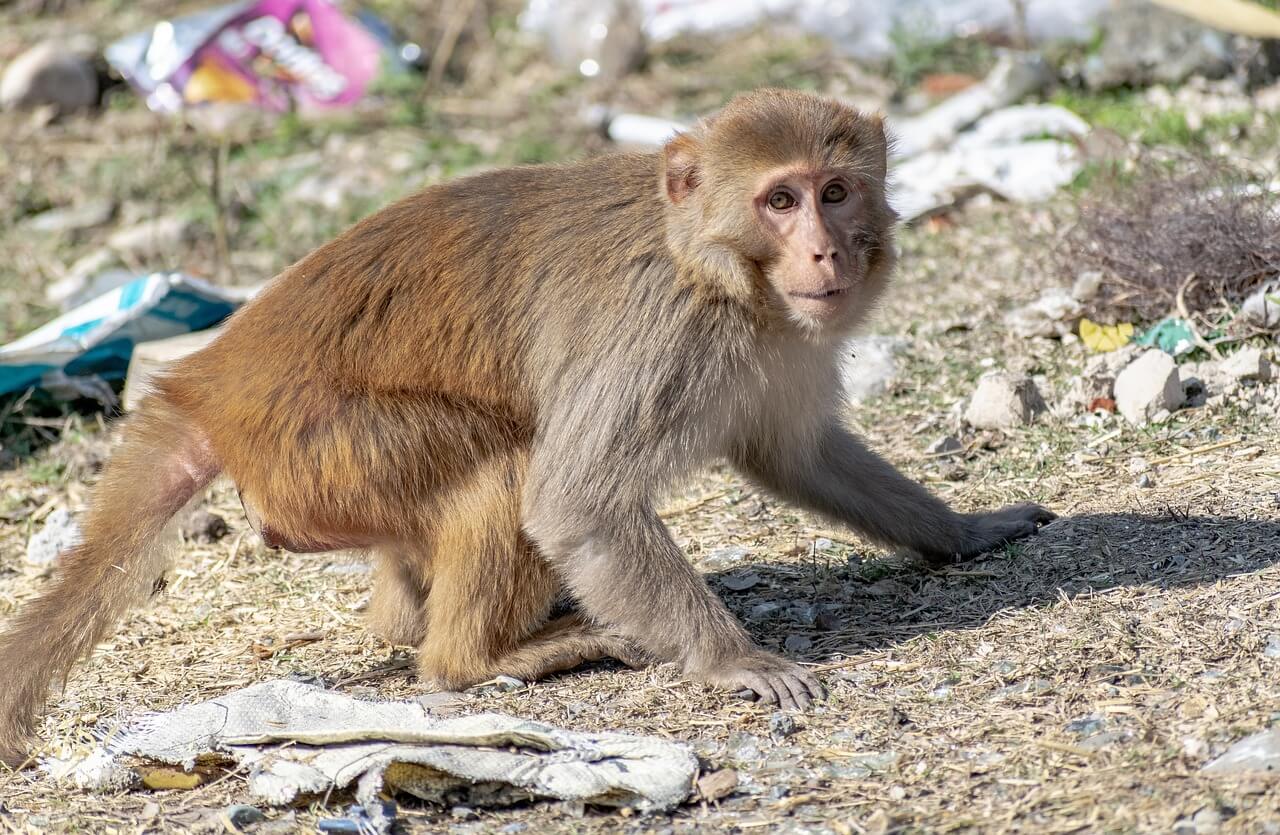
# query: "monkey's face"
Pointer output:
{"type": "Point", "coordinates": [793, 186]}
{"type": "Point", "coordinates": [816, 220]}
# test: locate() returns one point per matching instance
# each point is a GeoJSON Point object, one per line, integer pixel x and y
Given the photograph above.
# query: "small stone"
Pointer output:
{"type": "Point", "coordinates": [761, 611]}
{"type": "Point", "coordinates": [59, 535]}
{"type": "Point", "coordinates": [726, 557]}
{"type": "Point", "coordinates": [944, 446]}
{"type": "Point", "coordinates": [1257, 753]}
{"type": "Point", "coordinates": [782, 725]}
{"type": "Point", "coordinates": [797, 643]}
{"type": "Point", "coordinates": [53, 72]}
{"type": "Point", "coordinates": [1085, 725]}
{"type": "Point", "coordinates": [1087, 285]}
{"type": "Point", "coordinates": [1272, 649]}
{"type": "Point", "coordinates": [718, 784]}
{"type": "Point", "coordinates": [1004, 401]}
{"type": "Point", "coordinates": [157, 239]}
{"type": "Point", "coordinates": [1248, 364]}
{"type": "Point", "coordinates": [871, 367]}
{"type": "Point", "coordinates": [1148, 385]}
{"type": "Point", "coordinates": [1144, 481]}
{"type": "Point", "coordinates": [205, 527]}
{"type": "Point", "coordinates": [241, 815]}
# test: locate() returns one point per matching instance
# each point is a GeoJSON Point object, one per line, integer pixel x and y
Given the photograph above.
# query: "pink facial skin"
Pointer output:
{"type": "Point", "coordinates": [813, 216]}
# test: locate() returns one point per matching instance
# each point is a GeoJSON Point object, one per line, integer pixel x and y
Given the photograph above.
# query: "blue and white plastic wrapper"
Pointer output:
{"type": "Point", "coordinates": [85, 348]}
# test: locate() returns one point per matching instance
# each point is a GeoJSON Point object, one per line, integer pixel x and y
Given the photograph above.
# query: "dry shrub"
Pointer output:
{"type": "Point", "coordinates": [1189, 225]}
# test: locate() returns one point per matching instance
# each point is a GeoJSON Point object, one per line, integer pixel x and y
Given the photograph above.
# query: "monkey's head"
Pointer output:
{"type": "Point", "coordinates": [788, 189]}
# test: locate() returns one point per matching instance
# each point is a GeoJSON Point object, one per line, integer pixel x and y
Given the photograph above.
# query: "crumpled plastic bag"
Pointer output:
{"type": "Point", "coordinates": [82, 349]}
{"type": "Point", "coordinates": [296, 739]}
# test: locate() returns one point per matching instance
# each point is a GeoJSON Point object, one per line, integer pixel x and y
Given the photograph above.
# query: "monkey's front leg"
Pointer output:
{"type": "Point", "coordinates": [627, 572]}
{"type": "Point", "coordinates": [843, 480]}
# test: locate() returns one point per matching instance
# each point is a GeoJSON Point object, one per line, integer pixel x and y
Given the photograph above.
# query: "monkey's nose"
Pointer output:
{"type": "Point", "coordinates": [829, 254]}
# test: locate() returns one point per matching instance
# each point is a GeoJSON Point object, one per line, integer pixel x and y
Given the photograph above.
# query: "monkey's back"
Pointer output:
{"type": "Point", "coordinates": [409, 346]}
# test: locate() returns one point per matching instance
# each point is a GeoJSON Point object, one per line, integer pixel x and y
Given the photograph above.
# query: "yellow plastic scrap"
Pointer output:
{"type": "Point", "coordinates": [171, 778]}
{"type": "Point", "coordinates": [1103, 338]}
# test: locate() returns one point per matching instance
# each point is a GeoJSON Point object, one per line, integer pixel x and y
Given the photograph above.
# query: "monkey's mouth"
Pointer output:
{"type": "Point", "coordinates": [822, 295]}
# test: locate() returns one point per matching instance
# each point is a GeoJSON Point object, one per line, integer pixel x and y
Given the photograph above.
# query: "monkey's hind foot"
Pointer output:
{"type": "Point", "coordinates": [767, 677]}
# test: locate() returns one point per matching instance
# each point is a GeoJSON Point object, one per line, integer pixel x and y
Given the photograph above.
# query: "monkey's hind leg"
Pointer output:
{"type": "Point", "coordinates": [491, 595]}
{"type": "Point", "coordinates": [398, 605]}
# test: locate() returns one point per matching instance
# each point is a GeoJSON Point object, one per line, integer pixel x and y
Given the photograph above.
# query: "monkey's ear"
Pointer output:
{"type": "Point", "coordinates": [680, 166]}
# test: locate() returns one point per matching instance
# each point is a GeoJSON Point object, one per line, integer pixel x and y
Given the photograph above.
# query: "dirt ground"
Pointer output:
{"type": "Point", "coordinates": [1077, 681]}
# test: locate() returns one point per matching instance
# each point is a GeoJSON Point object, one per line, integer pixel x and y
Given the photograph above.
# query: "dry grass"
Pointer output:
{"type": "Point", "coordinates": [1075, 682]}
{"type": "Point", "coordinates": [1188, 232]}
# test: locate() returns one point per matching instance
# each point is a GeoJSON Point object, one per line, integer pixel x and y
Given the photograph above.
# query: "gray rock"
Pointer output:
{"type": "Point", "coordinates": [797, 643]}
{"type": "Point", "coordinates": [1004, 401]}
{"type": "Point", "coordinates": [1272, 649]}
{"type": "Point", "coordinates": [72, 218]}
{"type": "Point", "coordinates": [782, 725]}
{"type": "Point", "coordinates": [241, 815]}
{"type": "Point", "coordinates": [204, 526]}
{"type": "Point", "coordinates": [1087, 285]}
{"type": "Point", "coordinates": [1248, 364]}
{"type": "Point", "coordinates": [53, 72]}
{"type": "Point", "coordinates": [1147, 386]}
{"type": "Point", "coordinates": [725, 557]}
{"type": "Point", "coordinates": [1145, 44]}
{"type": "Point", "coordinates": [59, 534]}
{"type": "Point", "coordinates": [1257, 753]}
{"type": "Point", "coordinates": [1262, 308]}
{"type": "Point", "coordinates": [871, 367]}
{"type": "Point", "coordinates": [153, 239]}
{"type": "Point", "coordinates": [945, 446]}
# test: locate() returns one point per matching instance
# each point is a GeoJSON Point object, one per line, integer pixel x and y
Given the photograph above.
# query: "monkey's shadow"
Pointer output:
{"type": "Point", "coordinates": [831, 607]}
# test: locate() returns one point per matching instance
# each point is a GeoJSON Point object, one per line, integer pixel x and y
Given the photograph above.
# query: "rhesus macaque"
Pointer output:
{"type": "Point", "coordinates": [489, 383]}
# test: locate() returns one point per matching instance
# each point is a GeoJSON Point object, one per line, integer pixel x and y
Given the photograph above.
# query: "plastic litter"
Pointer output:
{"type": "Point", "coordinates": [294, 739]}
{"type": "Point", "coordinates": [82, 350]}
{"type": "Point", "coordinates": [274, 54]}
{"type": "Point", "coordinates": [860, 28]}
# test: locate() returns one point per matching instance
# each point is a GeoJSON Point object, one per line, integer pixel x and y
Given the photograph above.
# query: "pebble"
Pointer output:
{"type": "Point", "coordinates": [1262, 308]}
{"type": "Point", "coordinates": [1257, 753]}
{"type": "Point", "coordinates": [1148, 386]}
{"type": "Point", "coordinates": [241, 815]}
{"type": "Point", "coordinates": [797, 643]}
{"type": "Point", "coordinates": [1248, 365]}
{"type": "Point", "coordinates": [782, 725]}
{"type": "Point", "coordinates": [944, 446]}
{"type": "Point", "coordinates": [1004, 401]}
{"type": "Point", "coordinates": [204, 526]}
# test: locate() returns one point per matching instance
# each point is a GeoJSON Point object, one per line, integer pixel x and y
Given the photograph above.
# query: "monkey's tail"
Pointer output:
{"type": "Point", "coordinates": [164, 461]}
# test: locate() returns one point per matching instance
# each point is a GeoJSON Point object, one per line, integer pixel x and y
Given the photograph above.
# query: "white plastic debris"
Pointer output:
{"type": "Point", "coordinates": [296, 739]}
{"type": "Point", "coordinates": [859, 28]}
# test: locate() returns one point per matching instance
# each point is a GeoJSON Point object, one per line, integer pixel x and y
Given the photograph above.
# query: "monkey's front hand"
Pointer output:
{"type": "Point", "coordinates": [772, 679]}
{"type": "Point", "coordinates": [987, 531]}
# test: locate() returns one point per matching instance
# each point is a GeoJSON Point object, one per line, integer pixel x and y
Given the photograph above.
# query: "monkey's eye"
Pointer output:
{"type": "Point", "coordinates": [780, 201]}
{"type": "Point", "coordinates": [834, 193]}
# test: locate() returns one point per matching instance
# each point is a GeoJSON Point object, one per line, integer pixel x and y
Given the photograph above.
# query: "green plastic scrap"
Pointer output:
{"type": "Point", "coordinates": [1172, 335]}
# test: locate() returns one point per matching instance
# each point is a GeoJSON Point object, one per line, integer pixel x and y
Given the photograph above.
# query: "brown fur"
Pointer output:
{"type": "Point", "coordinates": [489, 382]}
